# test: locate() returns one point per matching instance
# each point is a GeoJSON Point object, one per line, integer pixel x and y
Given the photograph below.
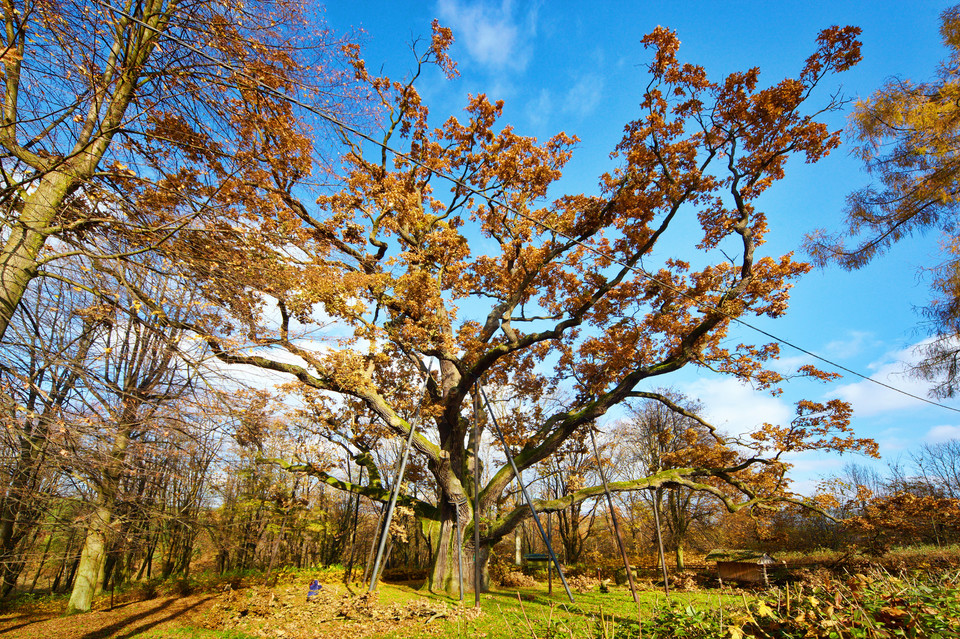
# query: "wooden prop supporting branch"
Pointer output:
{"type": "Point", "coordinates": [663, 560]}
{"type": "Point", "coordinates": [526, 496]}
{"type": "Point", "coordinates": [613, 517]}
{"type": "Point", "coordinates": [397, 482]}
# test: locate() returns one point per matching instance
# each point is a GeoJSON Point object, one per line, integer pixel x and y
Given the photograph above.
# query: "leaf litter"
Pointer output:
{"type": "Point", "coordinates": [284, 612]}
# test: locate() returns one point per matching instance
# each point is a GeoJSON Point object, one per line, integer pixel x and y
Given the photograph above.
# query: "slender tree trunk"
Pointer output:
{"type": "Point", "coordinates": [43, 560]}
{"type": "Point", "coordinates": [67, 548]}
{"type": "Point", "coordinates": [148, 555]}
{"type": "Point", "coordinates": [348, 573]}
{"type": "Point", "coordinates": [276, 547]}
{"type": "Point", "coordinates": [70, 576]}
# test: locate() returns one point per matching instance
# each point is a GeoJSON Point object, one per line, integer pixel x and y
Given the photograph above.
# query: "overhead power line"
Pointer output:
{"type": "Point", "coordinates": [332, 119]}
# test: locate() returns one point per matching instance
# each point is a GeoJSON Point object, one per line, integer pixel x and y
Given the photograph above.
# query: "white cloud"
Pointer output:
{"type": "Point", "coordinates": [540, 110]}
{"type": "Point", "coordinates": [869, 398]}
{"type": "Point", "coordinates": [854, 344]}
{"type": "Point", "coordinates": [841, 349]}
{"type": "Point", "coordinates": [939, 434]}
{"type": "Point", "coordinates": [736, 408]}
{"type": "Point", "coordinates": [492, 34]}
{"type": "Point", "coordinates": [893, 441]}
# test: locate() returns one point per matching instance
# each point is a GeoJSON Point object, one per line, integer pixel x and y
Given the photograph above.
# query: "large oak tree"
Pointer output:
{"type": "Point", "coordinates": [447, 265]}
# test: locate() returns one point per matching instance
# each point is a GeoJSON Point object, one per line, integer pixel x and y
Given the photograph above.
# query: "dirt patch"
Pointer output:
{"type": "Point", "coordinates": [125, 620]}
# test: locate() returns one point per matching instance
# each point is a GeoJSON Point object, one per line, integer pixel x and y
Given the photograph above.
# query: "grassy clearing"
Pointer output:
{"type": "Point", "coordinates": [534, 614]}
{"type": "Point", "coordinates": [403, 610]}
{"type": "Point", "coordinates": [531, 612]}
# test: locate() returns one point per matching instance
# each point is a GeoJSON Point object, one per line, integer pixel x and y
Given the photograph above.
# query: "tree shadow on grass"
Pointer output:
{"type": "Point", "coordinates": [538, 606]}
{"type": "Point", "coordinates": [7, 629]}
{"type": "Point", "coordinates": [129, 626]}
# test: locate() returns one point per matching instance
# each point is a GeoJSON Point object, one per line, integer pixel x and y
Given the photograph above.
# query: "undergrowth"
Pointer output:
{"type": "Point", "coordinates": [872, 606]}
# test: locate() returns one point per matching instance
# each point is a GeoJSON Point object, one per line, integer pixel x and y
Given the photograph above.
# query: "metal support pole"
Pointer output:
{"type": "Point", "coordinates": [476, 500]}
{"type": "Point", "coordinates": [348, 573]}
{"type": "Point", "coordinates": [526, 496]}
{"type": "Point", "coordinates": [663, 561]}
{"type": "Point", "coordinates": [549, 566]}
{"type": "Point", "coordinates": [398, 480]}
{"type": "Point", "coordinates": [456, 506]}
{"type": "Point", "coordinates": [613, 517]}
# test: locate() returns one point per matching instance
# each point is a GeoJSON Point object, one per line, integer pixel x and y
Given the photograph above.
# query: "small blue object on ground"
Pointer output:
{"type": "Point", "coordinates": [315, 589]}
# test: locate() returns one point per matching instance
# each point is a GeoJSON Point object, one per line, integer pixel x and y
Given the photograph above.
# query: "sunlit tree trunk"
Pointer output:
{"type": "Point", "coordinates": [88, 579]}
{"type": "Point", "coordinates": [444, 573]}
{"type": "Point", "coordinates": [90, 571]}
{"type": "Point", "coordinates": [21, 251]}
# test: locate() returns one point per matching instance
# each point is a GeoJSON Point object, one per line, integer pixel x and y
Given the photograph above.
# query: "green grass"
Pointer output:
{"type": "Point", "coordinates": [536, 614]}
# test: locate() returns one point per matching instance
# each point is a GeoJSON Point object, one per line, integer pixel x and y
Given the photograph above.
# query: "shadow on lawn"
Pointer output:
{"type": "Point", "coordinates": [540, 607]}
{"type": "Point", "coordinates": [142, 621]}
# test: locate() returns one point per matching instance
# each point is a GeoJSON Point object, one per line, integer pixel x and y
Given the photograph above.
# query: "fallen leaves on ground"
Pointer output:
{"type": "Point", "coordinates": [284, 612]}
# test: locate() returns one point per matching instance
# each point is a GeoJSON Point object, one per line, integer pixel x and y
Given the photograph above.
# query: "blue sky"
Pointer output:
{"type": "Point", "coordinates": [580, 67]}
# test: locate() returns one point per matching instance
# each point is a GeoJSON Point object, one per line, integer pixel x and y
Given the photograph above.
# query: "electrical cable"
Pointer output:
{"type": "Point", "coordinates": [460, 184]}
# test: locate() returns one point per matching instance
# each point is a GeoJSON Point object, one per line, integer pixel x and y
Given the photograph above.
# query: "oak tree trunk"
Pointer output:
{"type": "Point", "coordinates": [443, 574]}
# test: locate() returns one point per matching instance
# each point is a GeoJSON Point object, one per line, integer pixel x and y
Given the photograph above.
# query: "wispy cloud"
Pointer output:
{"type": "Point", "coordinates": [539, 110]}
{"type": "Point", "coordinates": [943, 433]}
{"type": "Point", "coordinates": [497, 36]}
{"type": "Point", "coordinates": [854, 344]}
{"type": "Point", "coordinates": [584, 95]}
{"type": "Point", "coordinates": [839, 350]}
{"type": "Point", "coordinates": [893, 369]}
{"type": "Point", "coordinates": [736, 408]}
